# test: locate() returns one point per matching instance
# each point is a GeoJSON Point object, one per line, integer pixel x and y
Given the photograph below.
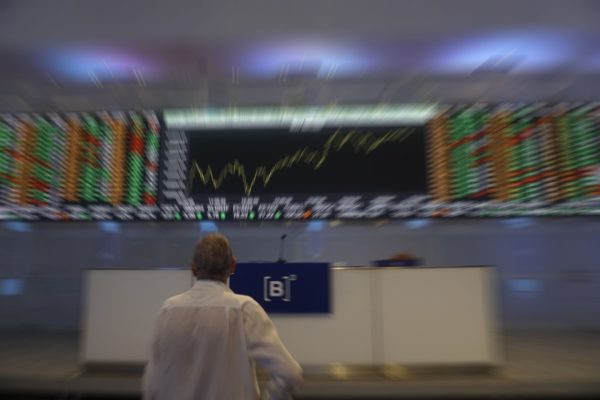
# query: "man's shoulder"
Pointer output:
{"type": "Point", "coordinates": [248, 305]}
{"type": "Point", "coordinates": [242, 299]}
{"type": "Point", "coordinates": [176, 300]}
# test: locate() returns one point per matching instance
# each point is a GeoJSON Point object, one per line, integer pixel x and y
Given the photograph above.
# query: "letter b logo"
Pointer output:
{"type": "Point", "coordinates": [276, 289]}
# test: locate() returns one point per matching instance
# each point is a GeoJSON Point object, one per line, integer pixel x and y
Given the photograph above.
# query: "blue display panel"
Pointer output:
{"type": "Point", "coordinates": [290, 288]}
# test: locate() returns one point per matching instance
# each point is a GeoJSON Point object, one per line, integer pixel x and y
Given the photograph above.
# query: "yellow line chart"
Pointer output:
{"type": "Point", "coordinates": [359, 141]}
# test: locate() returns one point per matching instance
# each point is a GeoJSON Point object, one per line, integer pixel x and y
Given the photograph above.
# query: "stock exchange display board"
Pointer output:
{"type": "Point", "coordinates": [277, 174]}
{"type": "Point", "coordinates": [477, 161]}
{"type": "Point", "coordinates": [92, 166]}
{"type": "Point", "coordinates": [525, 161]}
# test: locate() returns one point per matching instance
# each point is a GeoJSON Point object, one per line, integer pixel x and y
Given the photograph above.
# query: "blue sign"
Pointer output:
{"type": "Point", "coordinates": [294, 288]}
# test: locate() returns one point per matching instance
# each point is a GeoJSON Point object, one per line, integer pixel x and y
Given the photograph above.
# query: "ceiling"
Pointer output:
{"type": "Point", "coordinates": [87, 55]}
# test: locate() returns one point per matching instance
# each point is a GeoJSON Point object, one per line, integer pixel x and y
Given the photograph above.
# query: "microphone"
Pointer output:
{"type": "Point", "coordinates": [281, 242]}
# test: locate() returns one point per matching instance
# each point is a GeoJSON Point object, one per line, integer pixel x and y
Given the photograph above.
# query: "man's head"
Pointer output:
{"type": "Point", "coordinates": [213, 258]}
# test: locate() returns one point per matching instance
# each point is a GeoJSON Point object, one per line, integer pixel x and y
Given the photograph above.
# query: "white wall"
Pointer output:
{"type": "Point", "coordinates": [549, 269]}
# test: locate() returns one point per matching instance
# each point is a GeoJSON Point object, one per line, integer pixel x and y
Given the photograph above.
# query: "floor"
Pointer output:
{"type": "Point", "coordinates": [538, 365]}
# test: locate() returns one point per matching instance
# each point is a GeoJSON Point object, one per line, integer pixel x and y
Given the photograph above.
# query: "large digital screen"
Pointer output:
{"type": "Point", "coordinates": [88, 166]}
{"type": "Point", "coordinates": [311, 163]}
{"type": "Point", "coordinates": [278, 173]}
{"type": "Point", "coordinates": [515, 161]}
{"type": "Point", "coordinates": [338, 160]}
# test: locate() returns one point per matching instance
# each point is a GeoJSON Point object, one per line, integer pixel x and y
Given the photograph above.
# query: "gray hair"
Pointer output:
{"type": "Point", "coordinates": [213, 257]}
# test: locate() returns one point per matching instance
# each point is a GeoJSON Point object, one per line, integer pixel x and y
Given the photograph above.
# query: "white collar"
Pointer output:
{"type": "Point", "coordinates": [210, 284]}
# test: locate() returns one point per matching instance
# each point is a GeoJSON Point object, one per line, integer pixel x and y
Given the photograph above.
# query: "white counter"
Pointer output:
{"type": "Point", "coordinates": [380, 316]}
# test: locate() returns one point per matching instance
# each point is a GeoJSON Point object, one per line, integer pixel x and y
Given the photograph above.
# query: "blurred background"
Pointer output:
{"type": "Point", "coordinates": [83, 56]}
{"type": "Point", "coordinates": [154, 55]}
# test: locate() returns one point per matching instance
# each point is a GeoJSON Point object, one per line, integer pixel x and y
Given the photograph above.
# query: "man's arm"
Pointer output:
{"type": "Point", "coordinates": [267, 350]}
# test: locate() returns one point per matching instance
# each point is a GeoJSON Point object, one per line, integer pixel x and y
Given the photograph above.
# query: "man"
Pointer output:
{"type": "Point", "coordinates": [209, 338]}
